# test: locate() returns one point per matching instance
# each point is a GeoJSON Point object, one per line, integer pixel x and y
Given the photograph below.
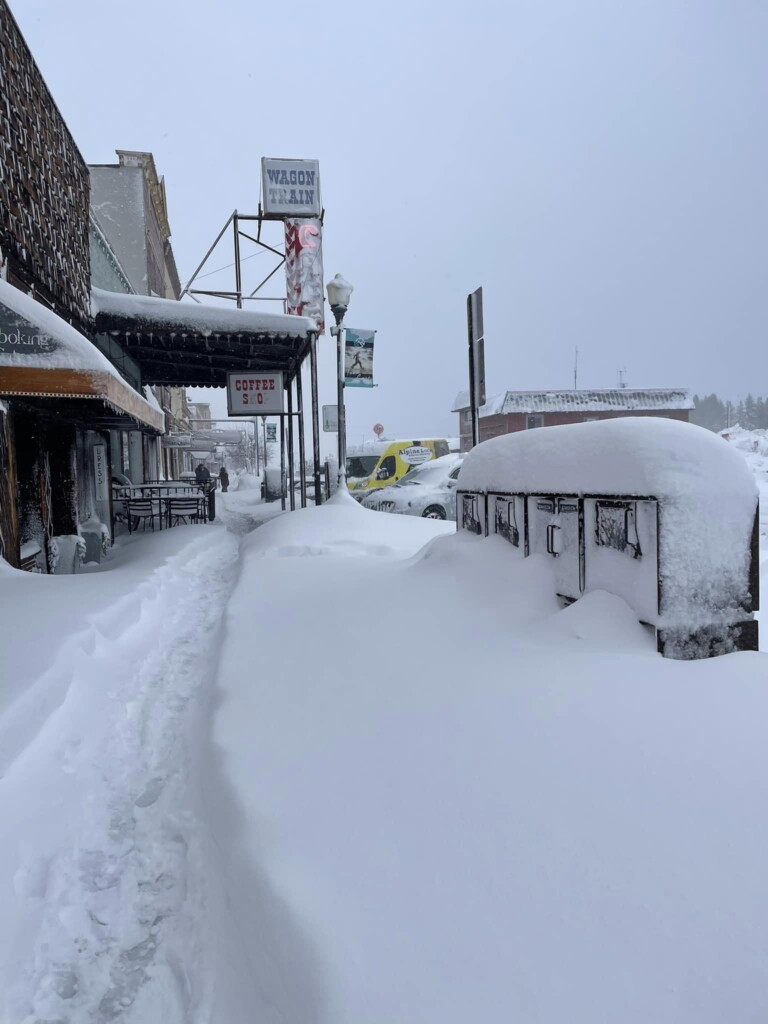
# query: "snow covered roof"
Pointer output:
{"type": "Point", "coordinates": [54, 343]}
{"type": "Point", "coordinates": [43, 355]}
{"type": "Point", "coordinates": [196, 317]}
{"type": "Point", "coordinates": [601, 400]}
{"type": "Point", "coordinates": [187, 344]}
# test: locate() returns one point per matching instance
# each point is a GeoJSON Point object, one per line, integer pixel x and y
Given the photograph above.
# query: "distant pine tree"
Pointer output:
{"type": "Point", "coordinates": [761, 414]}
{"type": "Point", "coordinates": [709, 412]}
{"type": "Point", "coordinates": [749, 421]}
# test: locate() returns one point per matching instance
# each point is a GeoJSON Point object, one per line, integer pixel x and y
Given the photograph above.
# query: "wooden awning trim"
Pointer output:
{"type": "Point", "coordinates": [56, 382]}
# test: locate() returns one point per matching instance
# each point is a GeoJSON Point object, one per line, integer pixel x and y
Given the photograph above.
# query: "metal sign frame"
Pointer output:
{"type": "Point", "coordinates": [262, 393]}
{"type": "Point", "coordinates": [476, 340]}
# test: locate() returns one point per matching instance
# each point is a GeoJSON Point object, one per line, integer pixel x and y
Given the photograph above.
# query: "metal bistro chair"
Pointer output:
{"type": "Point", "coordinates": [191, 510]}
{"type": "Point", "coordinates": [142, 509]}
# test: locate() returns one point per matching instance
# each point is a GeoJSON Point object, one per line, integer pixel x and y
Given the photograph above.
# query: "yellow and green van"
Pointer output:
{"type": "Point", "coordinates": [385, 462]}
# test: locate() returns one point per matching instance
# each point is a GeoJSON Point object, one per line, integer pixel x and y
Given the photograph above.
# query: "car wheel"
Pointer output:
{"type": "Point", "coordinates": [433, 512]}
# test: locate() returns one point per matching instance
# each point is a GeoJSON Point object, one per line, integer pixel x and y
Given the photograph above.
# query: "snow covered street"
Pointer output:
{"type": "Point", "coordinates": [356, 768]}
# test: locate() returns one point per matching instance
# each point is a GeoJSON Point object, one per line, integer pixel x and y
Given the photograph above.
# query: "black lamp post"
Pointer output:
{"type": "Point", "coordinates": [339, 292]}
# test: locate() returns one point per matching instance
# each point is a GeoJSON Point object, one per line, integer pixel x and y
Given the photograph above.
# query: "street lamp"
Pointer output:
{"type": "Point", "coordinates": [339, 292]}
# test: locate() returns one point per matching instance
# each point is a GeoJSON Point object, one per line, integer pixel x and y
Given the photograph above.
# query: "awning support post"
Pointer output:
{"type": "Point", "coordinates": [291, 491]}
{"type": "Point", "coordinates": [282, 463]}
{"type": "Point", "coordinates": [315, 417]}
{"type": "Point", "coordinates": [302, 455]}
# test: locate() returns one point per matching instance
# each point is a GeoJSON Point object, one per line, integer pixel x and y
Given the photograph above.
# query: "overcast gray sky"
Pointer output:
{"type": "Point", "coordinates": [598, 166]}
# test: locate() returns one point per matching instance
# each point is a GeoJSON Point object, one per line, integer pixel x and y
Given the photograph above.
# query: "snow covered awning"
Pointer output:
{"type": "Point", "coordinates": [183, 344]}
{"type": "Point", "coordinates": [42, 356]}
{"type": "Point", "coordinates": [595, 400]}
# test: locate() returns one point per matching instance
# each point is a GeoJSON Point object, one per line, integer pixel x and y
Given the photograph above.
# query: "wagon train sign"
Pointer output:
{"type": "Point", "coordinates": [253, 393]}
{"type": "Point", "coordinates": [290, 188]}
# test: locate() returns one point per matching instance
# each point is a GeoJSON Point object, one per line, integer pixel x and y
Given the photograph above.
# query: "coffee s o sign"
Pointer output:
{"type": "Point", "coordinates": [255, 394]}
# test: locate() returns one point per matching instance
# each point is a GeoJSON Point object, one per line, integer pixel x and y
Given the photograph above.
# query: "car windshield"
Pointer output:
{"type": "Point", "coordinates": [422, 475]}
{"type": "Point", "coordinates": [361, 465]}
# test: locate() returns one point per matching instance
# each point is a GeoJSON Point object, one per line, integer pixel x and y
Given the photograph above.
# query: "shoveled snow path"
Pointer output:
{"type": "Point", "coordinates": [107, 915]}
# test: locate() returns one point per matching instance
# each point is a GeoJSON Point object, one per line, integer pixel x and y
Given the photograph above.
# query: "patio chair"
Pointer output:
{"type": "Point", "coordinates": [191, 510]}
{"type": "Point", "coordinates": [142, 509]}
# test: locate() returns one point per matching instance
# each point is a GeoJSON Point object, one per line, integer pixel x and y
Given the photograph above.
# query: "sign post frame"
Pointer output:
{"type": "Point", "coordinates": [255, 393]}
{"type": "Point", "coordinates": [476, 339]}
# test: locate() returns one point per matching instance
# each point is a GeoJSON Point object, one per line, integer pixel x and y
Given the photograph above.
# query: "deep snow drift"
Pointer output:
{"type": "Point", "coordinates": [452, 801]}
{"type": "Point", "coordinates": [430, 795]}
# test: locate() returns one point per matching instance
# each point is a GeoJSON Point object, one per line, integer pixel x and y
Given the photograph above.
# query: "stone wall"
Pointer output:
{"type": "Point", "coordinates": [44, 185]}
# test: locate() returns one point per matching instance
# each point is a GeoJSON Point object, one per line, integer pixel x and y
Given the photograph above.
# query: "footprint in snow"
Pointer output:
{"type": "Point", "coordinates": [151, 793]}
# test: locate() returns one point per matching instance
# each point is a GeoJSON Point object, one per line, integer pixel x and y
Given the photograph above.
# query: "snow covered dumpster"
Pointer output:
{"type": "Point", "coordinates": [661, 513]}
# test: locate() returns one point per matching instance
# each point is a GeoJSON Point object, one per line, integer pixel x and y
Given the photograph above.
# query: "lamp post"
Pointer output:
{"type": "Point", "coordinates": [339, 292]}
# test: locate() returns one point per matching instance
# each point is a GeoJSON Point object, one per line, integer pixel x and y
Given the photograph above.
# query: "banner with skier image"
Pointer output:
{"type": "Point", "coordinates": [358, 358]}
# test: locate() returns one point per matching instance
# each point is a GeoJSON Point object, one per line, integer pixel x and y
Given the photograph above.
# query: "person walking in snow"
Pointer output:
{"type": "Point", "coordinates": [202, 475]}
{"type": "Point", "coordinates": [224, 479]}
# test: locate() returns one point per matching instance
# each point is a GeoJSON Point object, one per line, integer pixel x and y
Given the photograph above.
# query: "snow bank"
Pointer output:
{"type": "Point", "coordinates": [341, 527]}
{"type": "Point", "coordinates": [246, 482]}
{"type": "Point", "coordinates": [449, 801]}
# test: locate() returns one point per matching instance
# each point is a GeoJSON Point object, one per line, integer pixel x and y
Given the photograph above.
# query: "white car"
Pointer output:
{"type": "Point", "coordinates": [428, 490]}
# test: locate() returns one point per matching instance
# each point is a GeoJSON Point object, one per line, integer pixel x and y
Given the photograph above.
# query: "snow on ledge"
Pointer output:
{"type": "Point", "coordinates": [196, 317]}
{"type": "Point", "coordinates": [151, 398]}
{"type": "Point", "coordinates": [73, 350]}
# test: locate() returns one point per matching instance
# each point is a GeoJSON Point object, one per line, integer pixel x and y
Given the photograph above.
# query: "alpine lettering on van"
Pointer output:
{"type": "Point", "coordinates": [415, 454]}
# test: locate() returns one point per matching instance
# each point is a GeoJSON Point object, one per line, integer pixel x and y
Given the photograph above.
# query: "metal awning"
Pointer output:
{"type": "Point", "coordinates": [184, 344]}
{"type": "Point", "coordinates": [44, 357]}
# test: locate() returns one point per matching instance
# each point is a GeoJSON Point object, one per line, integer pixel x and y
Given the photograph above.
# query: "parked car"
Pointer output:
{"type": "Point", "coordinates": [428, 491]}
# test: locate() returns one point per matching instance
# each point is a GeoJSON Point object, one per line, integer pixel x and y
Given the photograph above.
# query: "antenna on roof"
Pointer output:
{"type": "Point", "coordinates": [622, 382]}
{"type": "Point", "coordinates": [576, 369]}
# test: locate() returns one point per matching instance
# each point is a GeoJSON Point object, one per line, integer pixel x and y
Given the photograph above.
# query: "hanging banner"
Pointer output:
{"type": "Point", "coordinates": [290, 188]}
{"type": "Point", "coordinates": [304, 268]}
{"type": "Point", "coordinates": [358, 358]}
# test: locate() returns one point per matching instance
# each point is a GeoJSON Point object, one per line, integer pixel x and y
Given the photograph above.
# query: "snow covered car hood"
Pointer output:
{"type": "Point", "coordinates": [430, 485]}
